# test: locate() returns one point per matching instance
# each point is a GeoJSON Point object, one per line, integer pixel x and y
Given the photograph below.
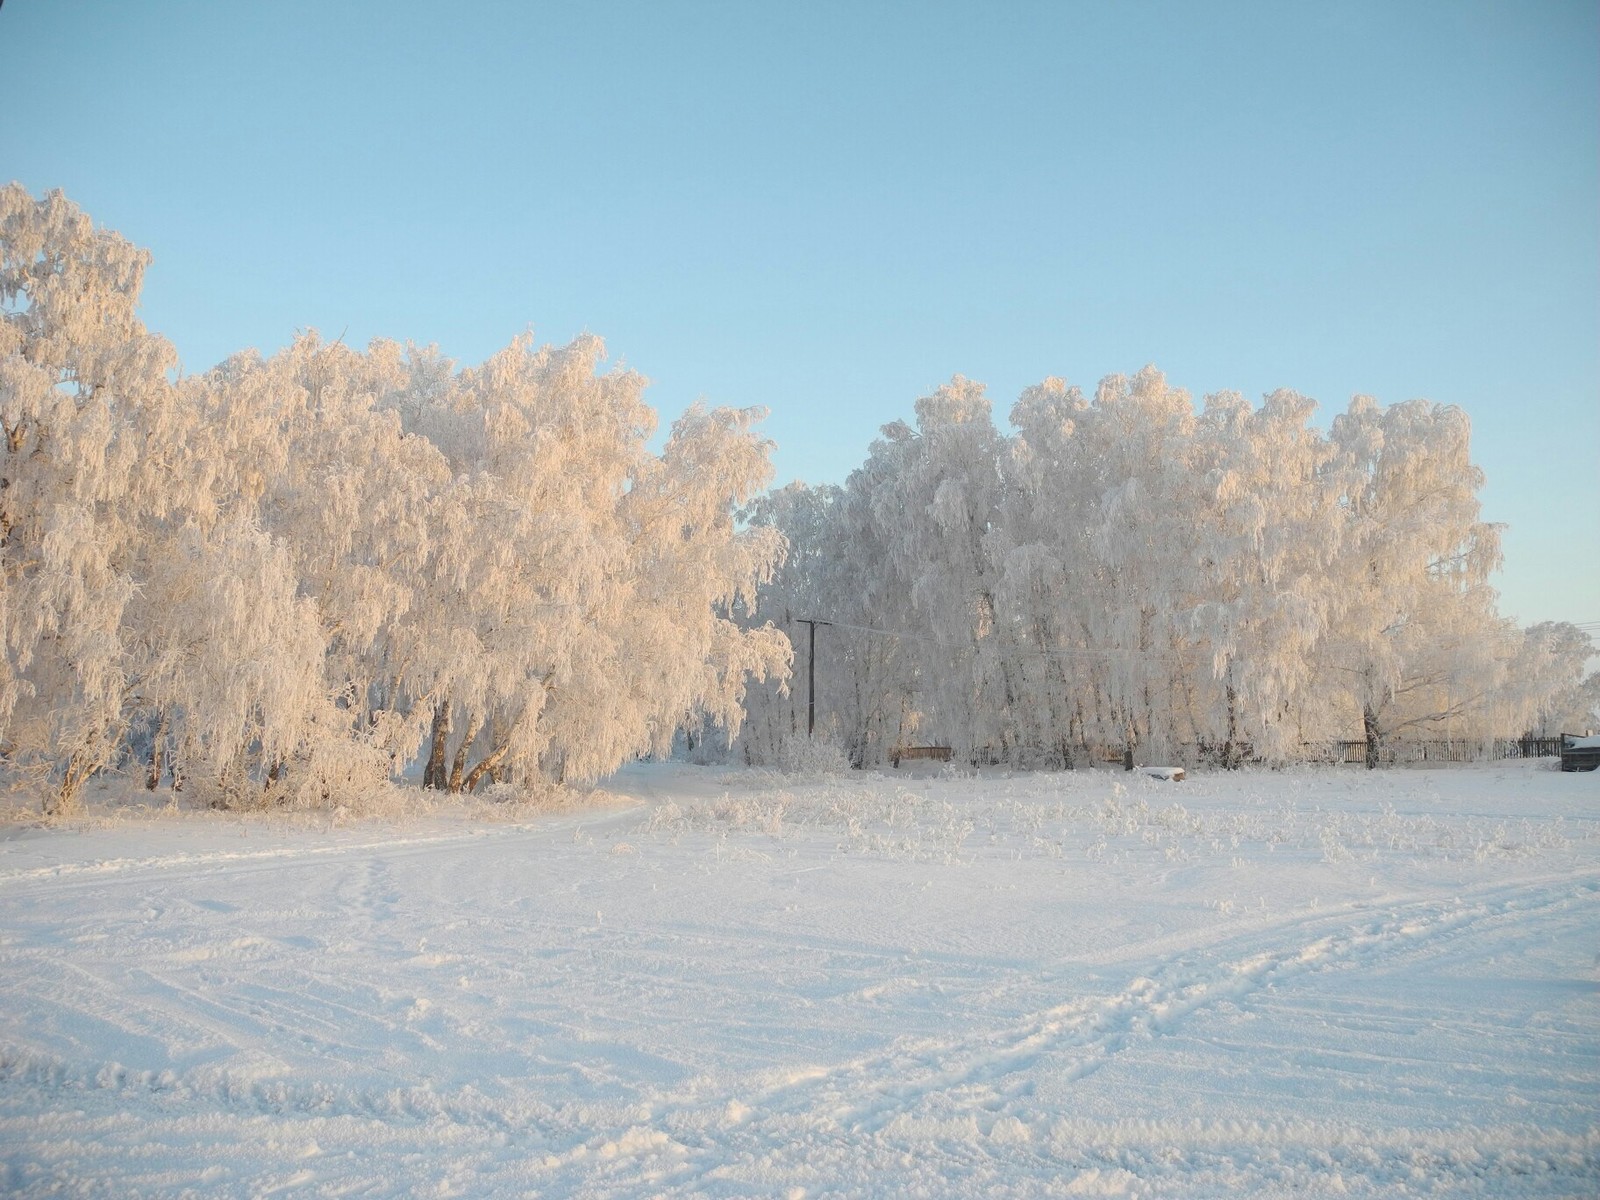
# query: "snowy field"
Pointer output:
{"type": "Point", "coordinates": [711, 983]}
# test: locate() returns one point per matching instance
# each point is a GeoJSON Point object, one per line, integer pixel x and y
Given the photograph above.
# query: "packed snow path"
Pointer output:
{"type": "Point", "coordinates": [723, 984]}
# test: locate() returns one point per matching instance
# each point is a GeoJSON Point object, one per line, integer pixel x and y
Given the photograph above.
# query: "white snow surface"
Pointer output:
{"type": "Point", "coordinates": [704, 982]}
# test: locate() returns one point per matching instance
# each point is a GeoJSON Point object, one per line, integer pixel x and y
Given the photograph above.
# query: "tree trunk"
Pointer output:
{"type": "Point", "coordinates": [1231, 754]}
{"type": "Point", "coordinates": [433, 775]}
{"type": "Point", "coordinates": [494, 759]}
{"type": "Point", "coordinates": [459, 766]}
{"type": "Point", "coordinates": [158, 758]}
{"type": "Point", "coordinates": [65, 799]}
{"type": "Point", "coordinates": [1369, 722]}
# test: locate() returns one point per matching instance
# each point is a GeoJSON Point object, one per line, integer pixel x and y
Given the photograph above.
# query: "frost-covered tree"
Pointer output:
{"type": "Point", "coordinates": [232, 686]}
{"type": "Point", "coordinates": [1414, 640]}
{"type": "Point", "coordinates": [298, 447]}
{"type": "Point", "coordinates": [1126, 573]}
{"type": "Point", "coordinates": [1269, 530]}
{"type": "Point", "coordinates": [1549, 690]}
{"type": "Point", "coordinates": [775, 723]}
{"type": "Point", "coordinates": [581, 584]}
{"type": "Point", "coordinates": [1049, 571]}
{"type": "Point", "coordinates": [938, 523]}
{"type": "Point", "coordinates": [858, 679]}
{"type": "Point", "coordinates": [91, 431]}
{"type": "Point", "coordinates": [1133, 448]}
{"type": "Point", "coordinates": [696, 570]}
{"type": "Point", "coordinates": [285, 578]}
{"type": "Point", "coordinates": [281, 579]}
{"type": "Point", "coordinates": [877, 703]}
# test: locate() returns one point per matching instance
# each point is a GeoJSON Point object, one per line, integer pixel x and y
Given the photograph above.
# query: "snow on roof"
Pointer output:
{"type": "Point", "coordinates": [1174, 774]}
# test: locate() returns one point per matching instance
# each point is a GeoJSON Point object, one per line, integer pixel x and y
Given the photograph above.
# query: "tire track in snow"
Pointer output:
{"type": "Point", "coordinates": [981, 1083]}
{"type": "Point", "coordinates": [236, 1088]}
{"type": "Point", "coordinates": [45, 880]}
{"type": "Point", "coordinates": [990, 1070]}
{"type": "Point", "coordinates": [986, 1070]}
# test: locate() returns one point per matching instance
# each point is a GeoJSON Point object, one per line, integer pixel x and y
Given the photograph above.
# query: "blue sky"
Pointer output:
{"type": "Point", "coordinates": [828, 209]}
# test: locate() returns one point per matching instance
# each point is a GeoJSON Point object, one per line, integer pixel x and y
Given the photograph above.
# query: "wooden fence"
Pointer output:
{"type": "Point", "coordinates": [1423, 750]}
{"type": "Point", "coordinates": [1443, 750]}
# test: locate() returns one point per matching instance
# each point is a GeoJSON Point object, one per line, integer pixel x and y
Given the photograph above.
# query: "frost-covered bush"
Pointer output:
{"type": "Point", "coordinates": [805, 756]}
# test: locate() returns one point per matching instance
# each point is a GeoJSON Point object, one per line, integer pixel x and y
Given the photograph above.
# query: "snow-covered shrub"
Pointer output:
{"type": "Point", "coordinates": [811, 757]}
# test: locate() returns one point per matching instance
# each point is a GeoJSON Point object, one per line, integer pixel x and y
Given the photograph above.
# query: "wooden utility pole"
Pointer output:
{"type": "Point", "coordinates": [811, 673]}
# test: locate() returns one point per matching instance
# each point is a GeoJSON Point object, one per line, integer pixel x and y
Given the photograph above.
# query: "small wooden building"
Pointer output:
{"type": "Point", "coordinates": [1579, 753]}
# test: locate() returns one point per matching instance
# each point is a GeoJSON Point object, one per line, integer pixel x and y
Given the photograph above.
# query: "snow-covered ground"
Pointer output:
{"type": "Point", "coordinates": [1309, 983]}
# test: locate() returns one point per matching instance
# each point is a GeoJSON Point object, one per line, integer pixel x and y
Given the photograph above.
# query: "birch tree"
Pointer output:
{"type": "Point", "coordinates": [278, 580]}
{"type": "Point", "coordinates": [583, 585]}
{"type": "Point", "coordinates": [1413, 639]}
{"type": "Point", "coordinates": [1134, 444]}
{"type": "Point", "coordinates": [90, 435]}
{"type": "Point", "coordinates": [1552, 690]}
{"type": "Point", "coordinates": [1050, 577]}
{"type": "Point", "coordinates": [1270, 533]}
{"type": "Point", "coordinates": [939, 522]}
{"type": "Point", "coordinates": [1124, 572]}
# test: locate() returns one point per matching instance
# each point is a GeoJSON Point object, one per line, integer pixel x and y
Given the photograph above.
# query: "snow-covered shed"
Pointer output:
{"type": "Point", "coordinates": [1580, 753]}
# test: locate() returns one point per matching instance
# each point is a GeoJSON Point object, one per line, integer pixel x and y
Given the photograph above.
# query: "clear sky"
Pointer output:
{"type": "Point", "coordinates": [828, 209]}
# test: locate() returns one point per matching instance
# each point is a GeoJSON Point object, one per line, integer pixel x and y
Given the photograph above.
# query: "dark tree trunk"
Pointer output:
{"type": "Point", "coordinates": [459, 766]}
{"type": "Point", "coordinates": [1369, 722]}
{"type": "Point", "coordinates": [433, 775]}
{"type": "Point", "coordinates": [158, 757]}
{"type": "Point", "coordinates": [1231, 754]}
{"type": "Point", "coordinates": [496, 756]}
{"type": "Point", "coordinates": [65, 799]}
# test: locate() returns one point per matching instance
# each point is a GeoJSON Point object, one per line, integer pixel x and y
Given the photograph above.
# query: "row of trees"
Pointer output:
{"type": "Point", "coordinates": [290, 576]}
{"type": "Point", "coordinates": [1128, 572]}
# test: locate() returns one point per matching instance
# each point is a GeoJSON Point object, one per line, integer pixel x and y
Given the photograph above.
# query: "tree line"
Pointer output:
{"type": "Point", "coordinates": [284, 579]}
{"type": "Point", "coordinates": [1124, 571]}
{"type": "Point", "coordinates": [288, 578]}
